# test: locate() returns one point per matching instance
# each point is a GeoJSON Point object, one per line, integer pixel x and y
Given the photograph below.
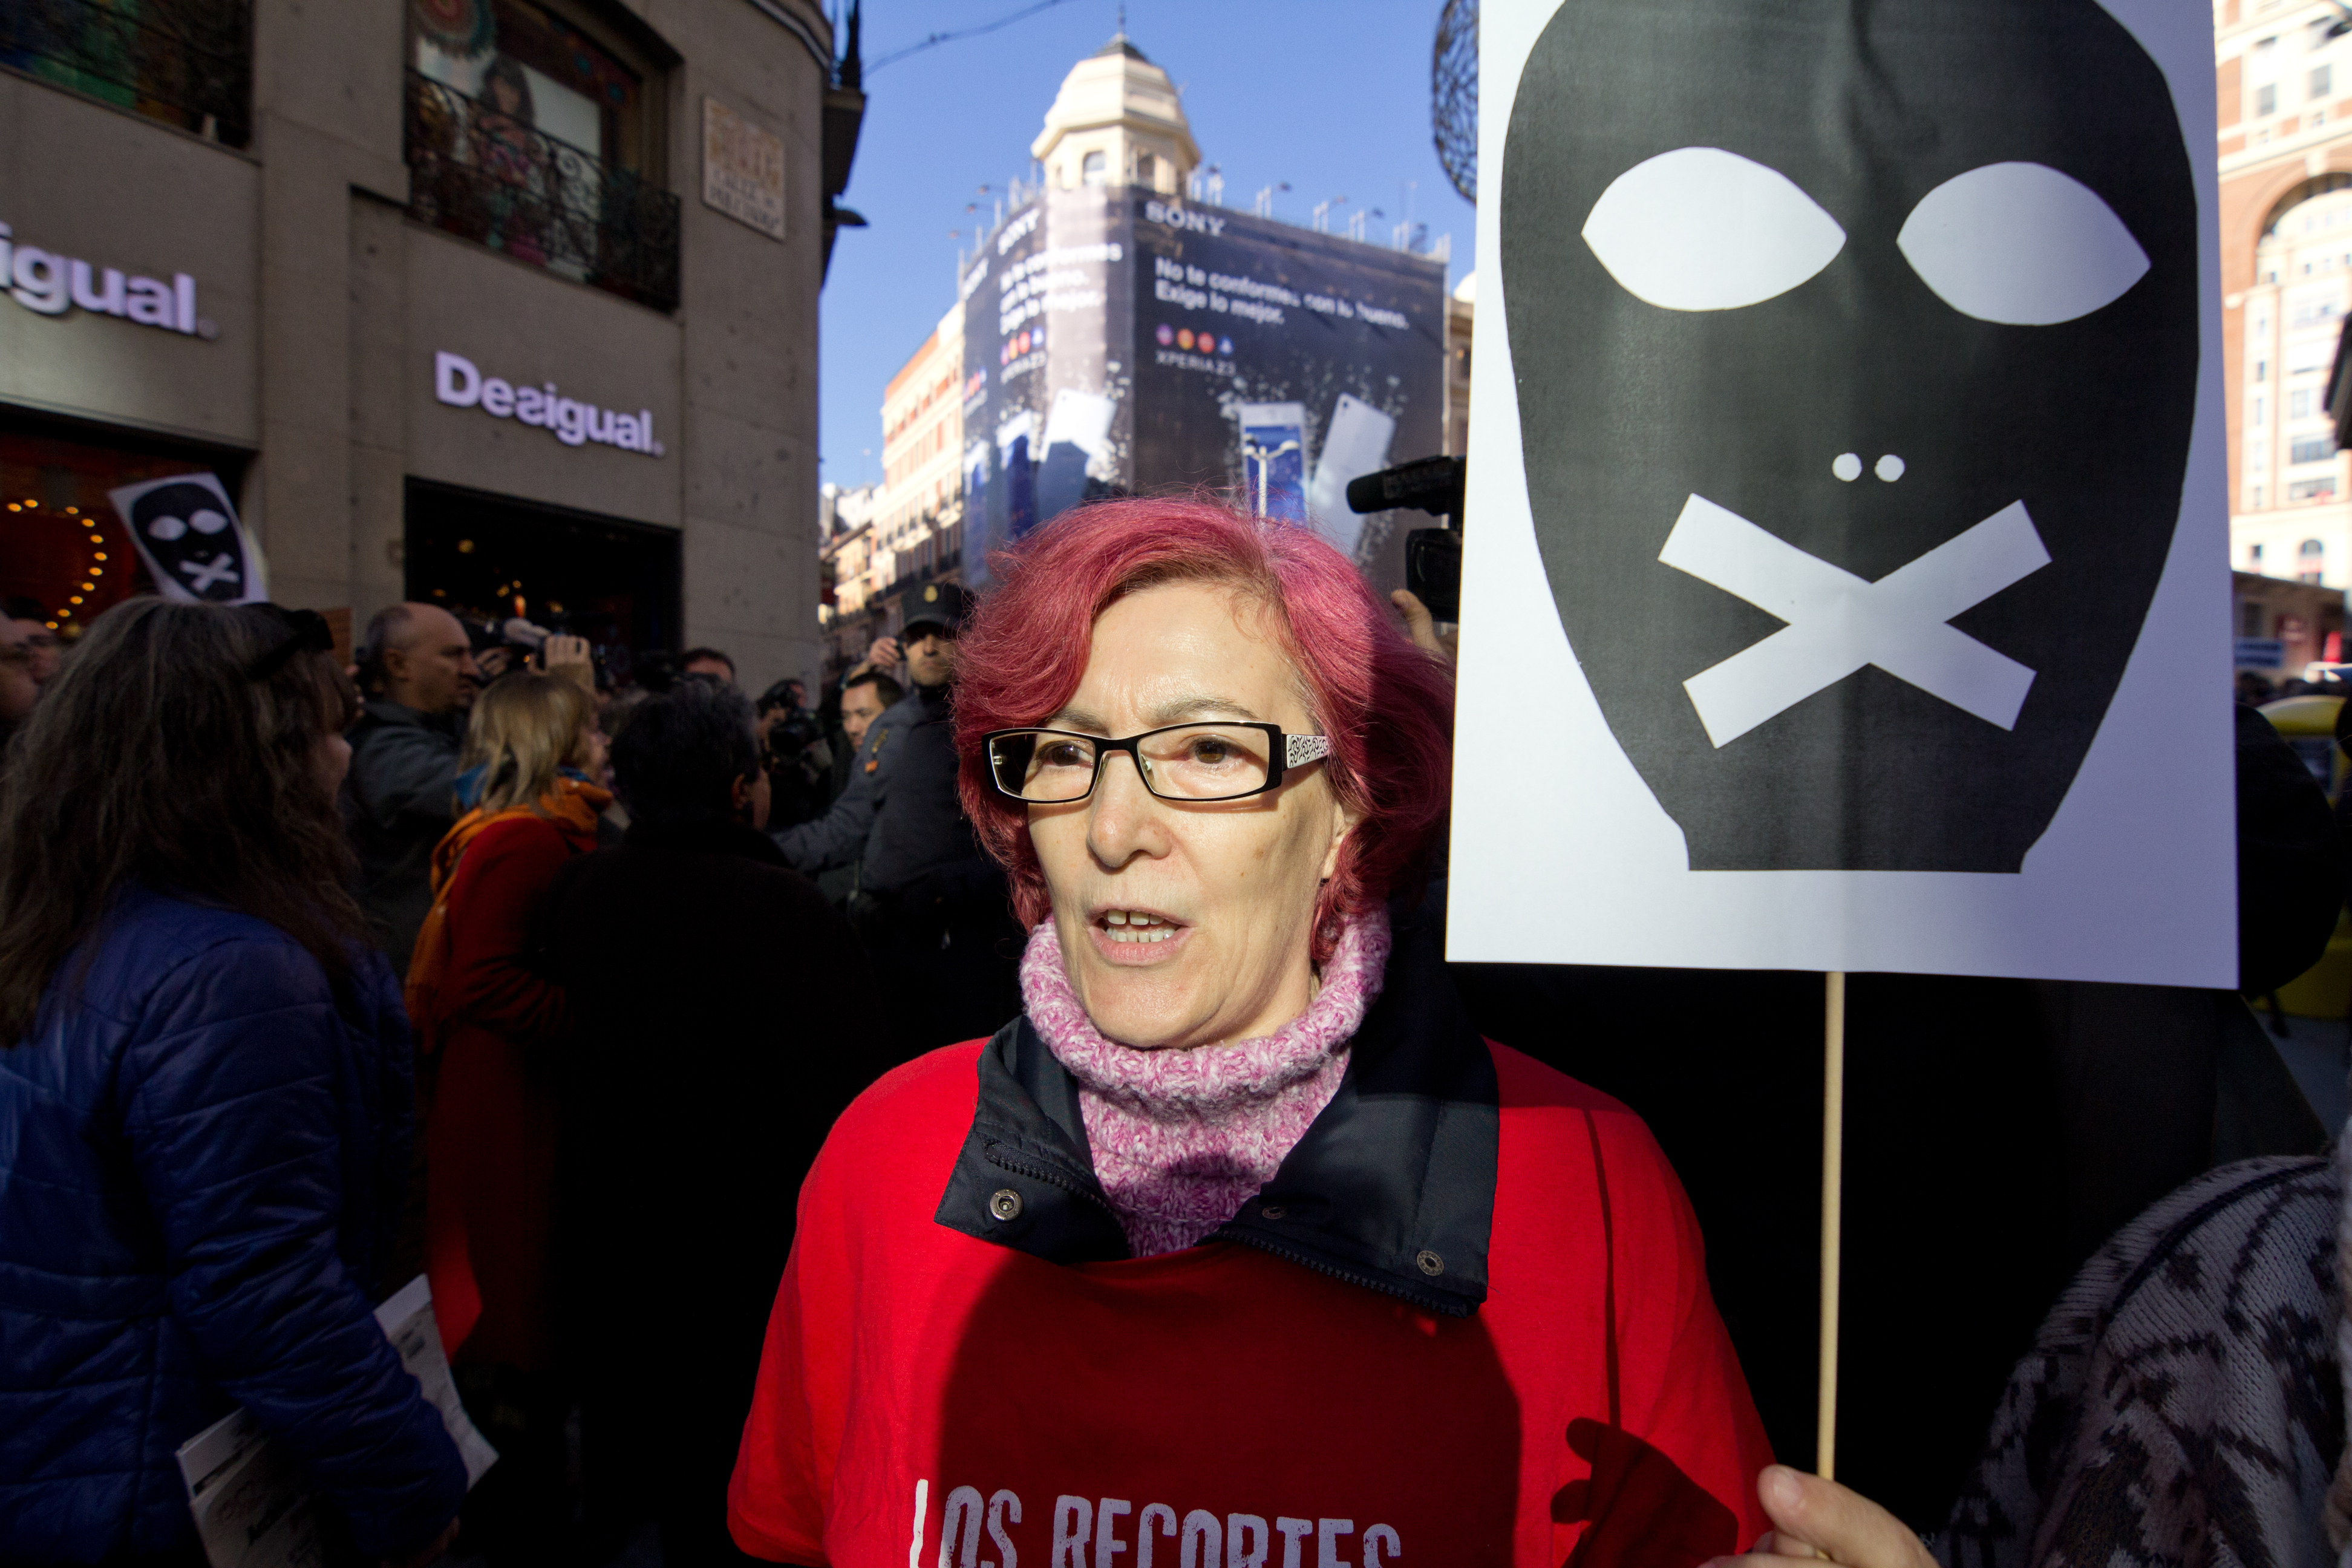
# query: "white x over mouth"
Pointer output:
{"type": "Point", "coordinates": [1838, 623]}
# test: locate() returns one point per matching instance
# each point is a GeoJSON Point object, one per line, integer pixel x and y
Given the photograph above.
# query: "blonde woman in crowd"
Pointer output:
{"type": "Point", "coordinates": [486, 1020]}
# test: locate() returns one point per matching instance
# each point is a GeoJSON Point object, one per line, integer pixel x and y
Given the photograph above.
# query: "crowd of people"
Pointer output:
{"type": "Point", "coordinates": [1019, 1107]}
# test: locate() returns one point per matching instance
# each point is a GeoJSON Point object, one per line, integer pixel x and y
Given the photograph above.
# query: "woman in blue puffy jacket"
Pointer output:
{"type": "Point", "coordinates": [205, 1099]}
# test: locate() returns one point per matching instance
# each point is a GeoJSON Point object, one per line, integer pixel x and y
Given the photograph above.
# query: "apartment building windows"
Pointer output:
{"type": "Point", "coordinates": [187, 63]}
{"type": "Point", "coordinates": [532, 132]}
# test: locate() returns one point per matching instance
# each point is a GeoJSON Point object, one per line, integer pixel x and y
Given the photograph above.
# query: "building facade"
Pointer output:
{"type": "Point", "coordinates": [905, 532]}
{"type": "Point", "coordinates": [1117, 329]}
{"type": "Point", "coordinates": [1461, 318]}
{"type": "Point", "coordinates": [2281, 626]}
{"type": "Point", "coordinates": [2285, 143]}
{"type": "Point", "coordinates": [846, 609]}
{"type": "Point", "coordinates": [508, 305]}
{"type": "Point", "coordinates": [923, 437]}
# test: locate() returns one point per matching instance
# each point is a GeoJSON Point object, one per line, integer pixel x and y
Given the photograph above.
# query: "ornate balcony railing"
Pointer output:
{"type": "Point", "coordinates": [480, 174]}
{"type": "Point", "coordinates": [188, 63]}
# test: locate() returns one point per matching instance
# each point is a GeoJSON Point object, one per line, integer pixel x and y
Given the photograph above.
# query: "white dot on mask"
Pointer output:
{"type": "Point", "coordinates": [1890, 468]}
{"type": "Point", "coordinates": [167, 528]}
{"type": "Point", "coordinates": [1847, 466]}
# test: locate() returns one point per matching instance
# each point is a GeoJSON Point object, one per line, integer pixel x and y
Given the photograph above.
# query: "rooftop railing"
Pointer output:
{"type": "Point", "coordinates": [188, 63]}
{"type": "Point", "coordinates": [484, 174]}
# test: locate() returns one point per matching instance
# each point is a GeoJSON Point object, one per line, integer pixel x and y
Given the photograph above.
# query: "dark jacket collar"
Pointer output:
{"type": "Point", "coordinates": [384, 711]}
{"type": "Point", "coordinates": [704, 838]}
{"type": "Point", "coordinates": [1392, 1188]}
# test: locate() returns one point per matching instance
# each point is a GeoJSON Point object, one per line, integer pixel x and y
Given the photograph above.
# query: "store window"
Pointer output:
{"type": "Point", "coordinates": [187, 63]}
{"type": "Point", "coordinates": [65, 548]}
{"type": "Point", "coordinates": [2312, 489]}
{"type": "Point", "coordinates": [2311, 449]}
{"type": "Point", "coordinates": [487, 558]}
{"type": "Point", "coordinates": [534, 133]}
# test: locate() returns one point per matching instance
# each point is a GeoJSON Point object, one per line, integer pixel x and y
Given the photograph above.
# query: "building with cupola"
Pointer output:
{"type": "Point", "coordinates": [1117, 329]}
{"type": "Point", "coordinates": [1117, 121]}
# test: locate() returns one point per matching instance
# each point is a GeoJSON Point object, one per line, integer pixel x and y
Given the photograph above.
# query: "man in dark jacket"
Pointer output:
{"type": "Point", "coordinates": [416, 664]}
{"type": "Point", "coordinates": [724, 1022]}
{"type": "Point", "coordinates": [932, 909]}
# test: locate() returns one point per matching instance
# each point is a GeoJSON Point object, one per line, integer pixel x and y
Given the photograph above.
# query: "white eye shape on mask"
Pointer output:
{"type": "Point", "coordinates": [1703, 229]}
{"type": "Point", "coordinates": [2020, 245]}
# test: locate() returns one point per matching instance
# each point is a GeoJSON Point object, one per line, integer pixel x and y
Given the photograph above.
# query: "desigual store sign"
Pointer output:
{"type": "Point", "coordinates": [459, 382]}
{"type": "Point", "coordinates": [51, 283]}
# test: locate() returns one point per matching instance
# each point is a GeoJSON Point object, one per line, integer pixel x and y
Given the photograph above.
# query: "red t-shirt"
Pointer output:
{"type": "Point", "coordinates": [926, 1396]}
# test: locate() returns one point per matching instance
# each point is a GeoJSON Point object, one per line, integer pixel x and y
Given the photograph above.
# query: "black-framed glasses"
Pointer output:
{"type": "Point", "coordinates": [1180, 761]}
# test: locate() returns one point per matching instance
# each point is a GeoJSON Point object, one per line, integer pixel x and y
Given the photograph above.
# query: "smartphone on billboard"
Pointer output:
{"type": "Point", "coordinates": [976, 540]}
{"type": "Point", "coordinates": [1016, 454]}
{"type": "Point", "coordinates": [1273, 459]}
{"type": "Point", "coordinates": [1078, 432]}
{"type": "Point", "coordinates": [1356, 443]}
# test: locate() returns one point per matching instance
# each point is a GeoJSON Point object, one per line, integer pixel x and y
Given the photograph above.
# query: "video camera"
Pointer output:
{"type": "Point", "coordinates": [1432, 556]}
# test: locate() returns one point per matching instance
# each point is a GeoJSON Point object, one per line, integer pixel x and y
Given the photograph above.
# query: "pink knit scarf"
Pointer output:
{"type": "Point", "coordinates": [1182, 1139]}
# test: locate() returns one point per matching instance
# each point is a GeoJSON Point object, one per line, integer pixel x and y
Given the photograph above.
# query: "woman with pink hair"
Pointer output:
{"type": "Point", "coordinates": [1239, 1241]}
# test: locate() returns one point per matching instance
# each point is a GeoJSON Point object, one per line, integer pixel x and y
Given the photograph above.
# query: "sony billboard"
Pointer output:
{"type": "Point", "coordinates": [1120, 340]}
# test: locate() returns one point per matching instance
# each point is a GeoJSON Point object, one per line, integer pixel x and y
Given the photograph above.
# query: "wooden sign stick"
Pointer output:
{"type": "Point", "coordinates": [1832, 1195]}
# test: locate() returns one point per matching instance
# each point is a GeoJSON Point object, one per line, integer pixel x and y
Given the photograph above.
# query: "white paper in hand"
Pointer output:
{"type": "Point", "coordinates": [253, 1505]}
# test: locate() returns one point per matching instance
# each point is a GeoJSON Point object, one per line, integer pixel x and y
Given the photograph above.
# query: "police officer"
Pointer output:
{"type": "Point", "coordinates": [934, 911]}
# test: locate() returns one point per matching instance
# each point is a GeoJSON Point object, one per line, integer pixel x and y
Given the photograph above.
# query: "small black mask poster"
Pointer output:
{"type": "Point", "coordinates": [1849, 584]}
{"type": "Point", "coordinates": [187, 532]}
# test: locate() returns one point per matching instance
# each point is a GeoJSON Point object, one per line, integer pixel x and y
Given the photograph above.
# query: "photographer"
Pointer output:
{"type": "Point", "coordinates": [800, 759]}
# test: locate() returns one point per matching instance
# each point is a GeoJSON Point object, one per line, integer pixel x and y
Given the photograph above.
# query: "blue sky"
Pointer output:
{"type": "Point", "coordinates": [1329, 95]}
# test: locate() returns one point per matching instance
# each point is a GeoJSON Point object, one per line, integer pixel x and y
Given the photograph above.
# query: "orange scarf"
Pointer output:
{"type": "Point", "coordinates": [571, 805]}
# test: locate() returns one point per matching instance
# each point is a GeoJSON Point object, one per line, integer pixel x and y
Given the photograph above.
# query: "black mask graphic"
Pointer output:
{"type": "Point", "coordinates": [1808, 403]}
{"type": "Point", "coordinates": [190, 535]}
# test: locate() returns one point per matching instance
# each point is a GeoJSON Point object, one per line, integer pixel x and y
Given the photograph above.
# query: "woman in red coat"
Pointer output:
{"type": "Point", "coordinates": [1239, 1248]}
{"type": "Point", "coordinates": [484, 1008]}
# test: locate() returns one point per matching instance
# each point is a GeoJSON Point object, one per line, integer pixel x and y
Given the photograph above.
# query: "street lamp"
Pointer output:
{"type": "Point", "coordinates": [1323, 214]}
{"type": "Point", "coordinates": [1266, 198]}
